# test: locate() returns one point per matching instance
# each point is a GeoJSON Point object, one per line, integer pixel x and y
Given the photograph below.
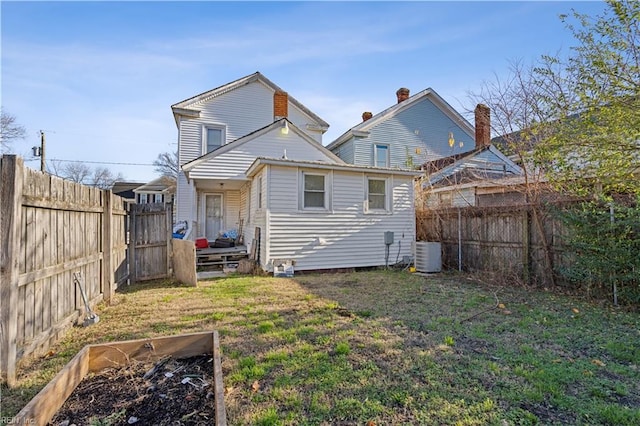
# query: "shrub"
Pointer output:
{"type": "Point", "coordinates": [605, 238]}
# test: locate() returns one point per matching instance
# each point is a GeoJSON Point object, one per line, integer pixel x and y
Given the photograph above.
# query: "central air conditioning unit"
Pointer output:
{"type": "Point", "coordinates": [428, 257]}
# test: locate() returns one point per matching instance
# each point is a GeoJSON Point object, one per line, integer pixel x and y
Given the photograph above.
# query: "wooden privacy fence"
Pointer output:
{"type": "Point", "coordinates": [50, 229]}
{"type": "Point", "coordinates": [523, 242]}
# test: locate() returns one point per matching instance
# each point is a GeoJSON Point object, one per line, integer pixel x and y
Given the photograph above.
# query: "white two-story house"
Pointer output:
{"type": "Point", "coordinates": [252, 161]}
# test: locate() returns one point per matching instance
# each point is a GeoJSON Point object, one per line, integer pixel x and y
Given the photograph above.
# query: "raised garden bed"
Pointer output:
{"type": "Point", "coordinates": [155, 366]}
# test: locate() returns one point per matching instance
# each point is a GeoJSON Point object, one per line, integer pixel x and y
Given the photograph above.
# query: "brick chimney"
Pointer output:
{"type": "Point", "coordinates": [280, 105]}
{"type": "Point", "coordinates": [483, 125]}
{"type": "Point", "coordinates": [402, 94]}
{"type": "Point", "coordinates": [366, 115]}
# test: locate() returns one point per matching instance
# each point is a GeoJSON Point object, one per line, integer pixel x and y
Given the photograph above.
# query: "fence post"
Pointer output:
{"type": "Point", "coordinates": [169, 222]}
{"type": "Point", "coordinates": [526, 246]}
{"type": "Point", "coordinates": [11, 174]}
{"type": "Point", "coordinates": [107, 246]}
{"type": "Point", "coordinates": [133, 272]}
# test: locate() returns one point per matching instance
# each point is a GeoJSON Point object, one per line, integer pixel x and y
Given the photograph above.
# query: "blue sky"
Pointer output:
{"type": "Point", "coordinates": [99, 78]}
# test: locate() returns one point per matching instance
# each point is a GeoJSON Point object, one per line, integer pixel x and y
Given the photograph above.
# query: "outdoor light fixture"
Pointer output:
{"type": "Point", "coordinates": [452, 141]}
{"type": "Point", "coordinates": [285, 128]}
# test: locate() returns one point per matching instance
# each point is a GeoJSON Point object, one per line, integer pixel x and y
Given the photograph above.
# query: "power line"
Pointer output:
{"type": "Point", "coordinates": [100, 162]}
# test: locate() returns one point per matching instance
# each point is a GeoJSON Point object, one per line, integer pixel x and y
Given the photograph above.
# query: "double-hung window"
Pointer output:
{"type": "Point", "coordinates": [213, 138]}
{"type": "Point", "coordinates": [315, 190]}
{"type": "Point", "coordinates": [377, 195]}
{"type": "Point", "coordinates": [381, 155]}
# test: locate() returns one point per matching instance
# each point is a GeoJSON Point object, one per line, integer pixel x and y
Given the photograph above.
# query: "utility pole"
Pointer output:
{"type": "Point", "coordinates": [42, 163]}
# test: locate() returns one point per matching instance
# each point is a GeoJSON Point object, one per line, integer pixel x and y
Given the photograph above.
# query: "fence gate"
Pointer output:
{"type": "Point", "coordinates": [149, 241]}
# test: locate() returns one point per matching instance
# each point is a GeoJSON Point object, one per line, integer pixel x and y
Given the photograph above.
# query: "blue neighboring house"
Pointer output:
{"type": "Point", "coordinates": [418, 129]}
{"type": "Point", "coordinates": [424, 132]}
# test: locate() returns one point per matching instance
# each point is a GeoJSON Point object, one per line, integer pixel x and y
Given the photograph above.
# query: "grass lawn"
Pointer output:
{"type": "Point", "coordinates": [384, 347]}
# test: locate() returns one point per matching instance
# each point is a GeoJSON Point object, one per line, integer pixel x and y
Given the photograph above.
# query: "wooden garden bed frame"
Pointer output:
{"type": "Point", "coordinates": [94, 358]}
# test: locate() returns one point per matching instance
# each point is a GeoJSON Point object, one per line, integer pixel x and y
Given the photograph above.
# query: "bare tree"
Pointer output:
{"type": "Point", "coordinates": [10, 131]}
{"type": "Point", "coordinates": [103, 178]}
{"type": "Point", "coordinates": [516, 117]}
{"type": "Point", "coordinates": [522, 118]}
{"type": "Point", "coordinates": [75, 172]}
{"type": "Point", "coordinates": [167, 164]}
{"type": "Point", "coordinates": [100, 177]}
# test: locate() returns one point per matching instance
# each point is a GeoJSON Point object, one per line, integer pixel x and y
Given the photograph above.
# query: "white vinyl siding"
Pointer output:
{"type": "Point", "coordinates": [245, 209]}
{"type": "Point", "coordinates": [345, 151]}
{"type": "Point", "coordinates": [185, 201]}
{"type": "Point", "coordinates": [344, 237]}
{"type": "Point", "coordinates": [231, 219]}
{"type": "Point", "coordinates": [258, 217]}
{"type": "Point", "coordinates": [232, 164]}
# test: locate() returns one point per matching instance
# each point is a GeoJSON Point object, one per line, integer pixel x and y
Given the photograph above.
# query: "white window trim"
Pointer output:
{"type": "Point", "coordinates": [149, 197]}
{"type": "Point", "coordinates": [328, 190]}
{"type": "Point", "coordinates": [223, 136]}
{"type": "Point", "coordinates": [375, 154]}
{"type": "Point", "coordinates": [387, 195]}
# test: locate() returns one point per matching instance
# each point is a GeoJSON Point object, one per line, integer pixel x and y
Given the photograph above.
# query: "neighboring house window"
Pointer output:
{"type": "Point", "coordinates": [445, 199]}
{"type": "Point", "coordinates": [260, 192]}
{"type": "Point", "coordinates": [146, 197]}
{"type": "Point", "coordinates": [381, 155]}
{"type": "Point", "coordinates": [213, 138]}
{"type": "Point", "coordinates": [314, 191]}
{"type": "Point", "coordinates": [377, 199]}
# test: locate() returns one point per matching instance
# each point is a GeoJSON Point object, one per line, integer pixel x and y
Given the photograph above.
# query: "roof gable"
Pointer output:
{"type": "Point", "coordinates": [191, 107]}
{"type": "Point", "coordinates": [161, 184]}
{"type": "Point", "coordinates": [363, 128]}
{"type": "Point", "coordinates": [311, 146]}
{"type": "Point", "coordinates": [482, 163]}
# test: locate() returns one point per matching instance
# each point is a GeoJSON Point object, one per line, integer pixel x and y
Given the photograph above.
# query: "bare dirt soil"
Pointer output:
{"type": "Point", "coordinates": [167, 392]}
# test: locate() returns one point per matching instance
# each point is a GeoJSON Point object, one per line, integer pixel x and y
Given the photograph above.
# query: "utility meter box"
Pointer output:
{"type": "Point", "coordinates": [388, 237]}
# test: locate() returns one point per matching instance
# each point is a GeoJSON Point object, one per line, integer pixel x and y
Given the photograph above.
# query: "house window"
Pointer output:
{"type": "Point", "coordinates": [381, 155]}
{"type": "Point", "coordinates": [377, 199]}
{"type": "Point", "coordinates": [445, 199]}
{"type": "Point", "coordinates": [213, 138]}
{"type": "Point", "coordinates": [314, 194]}
{"type": "Point", "coordinates": [260, 192]}
{"type": "Point", "coordinates": [142, 198]}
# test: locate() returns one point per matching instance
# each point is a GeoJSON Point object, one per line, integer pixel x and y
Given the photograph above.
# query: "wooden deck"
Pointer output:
{"type": "Point", "coordinates": [220, 256]}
